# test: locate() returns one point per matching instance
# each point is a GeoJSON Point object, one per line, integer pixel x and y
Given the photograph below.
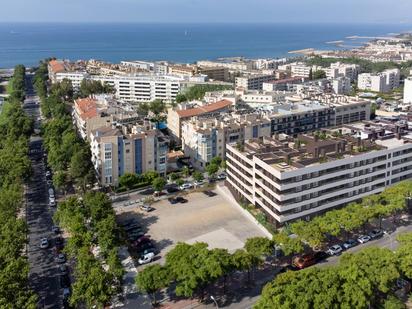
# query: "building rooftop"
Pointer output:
{"type": "Point", "coordinates": [210, 108]}
{"type": "Point", "coordinates": [286, 153]}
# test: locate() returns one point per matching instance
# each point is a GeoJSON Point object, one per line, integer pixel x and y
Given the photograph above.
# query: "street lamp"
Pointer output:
{"type": "Point", "coordinates": [214, 300]}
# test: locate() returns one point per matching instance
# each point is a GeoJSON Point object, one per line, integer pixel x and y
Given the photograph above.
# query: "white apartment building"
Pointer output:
{"type": "Point", "coordinates": [407, 91]}
{"type": "Point", "coordinates": [230, 64]}
{"type": "Point", "coordinates": [158, 67]}
{"type": "Point", "coordinates": [385, 81]}
{"type": "Point", "coordinates": [341, 85]}
{"type": "Point", "coordinates": [206, 138]}
{"type": "Point", "coordinates": [300, 69]}
{"type": "Point", "coordinates": [339, 69]}
{"type": "Point", "coordinates": [75, 77]}
{"type": "Point", "coordinates": [298, 178]}
{"type": "Point", "coordinates": [143, 87]}
{"type": "Point", "coordinates": [253, 82]}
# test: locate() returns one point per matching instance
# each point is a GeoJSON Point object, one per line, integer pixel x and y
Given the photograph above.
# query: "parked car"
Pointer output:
{"type": "Point", "coordinates": [221, 176]}
{"type": "Point", "coordinates": [309, 259]}
{"type": "Point", "coordinates": [334, 250]}
{"type": "Point", "coordinates": [177, 199]}
{"type": "Point", "coordinates": [147, 258]}
{"type": "Point", "coordinates": [286, 268]}
{"type": "Point", "coordinates": [55, 229]}
{"type": "Point", "coordinates": [375, 234]}
{"type": "Point", "coordinates": [199, 183]}
{"type": "Point", "coordinates": [172, 189]}
{"type": "Point", "coordinates": [146, 208]}
{"type": "Point", "coordinates": [135, 235]}
{"type": "Point", "coordinates": [58, 242]}
{"type": "Point", "coordinates": [146, 246]}
{"type": "Point", "coordinates": [44, 243]}
{"type": "Point", "coordinates": [209, 193]}
{"type": "Point", "coordinates": [140, 241]}
{"type": "Point", "coordinates": [66, 294]}
{"type": "Point", "coordinates": [63, 269]}
{"type": "Point", "coordinates": [150, 250]}
{"type": "Point", "coordinates": [61, 258]}
{"type": "Point", "coordinates": [133, 227]}
{"type": "Point", "coordinates": [363, 239]}
{"type": "Point", "coordinates": [49, 182]}
{"type": "Point", "coordinates": [64, 281]}
{"type": "Point", "coordinates": [349, 244]}
{"type": "Point", "coordinates": [186, 186]}
{"type": "Point", "coordinates": [48, 174]}
{"type": "Point", "coordinates": [52, 203]}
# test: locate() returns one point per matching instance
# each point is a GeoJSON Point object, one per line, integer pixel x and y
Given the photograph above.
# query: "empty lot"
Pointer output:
{"type": "Point", "coordinates": [204, 219]}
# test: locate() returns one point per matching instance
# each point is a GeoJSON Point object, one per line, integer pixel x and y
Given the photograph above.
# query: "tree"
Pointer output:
{"type": "Point", "coordinates": [185, 171]}
{"type": "Point", "coordinates": [180, 98]}
{"type": "Point", "coordinates": [392, 302]}
{"type": "Point", "coordinates": [243, 260]}
{"type": "Point", "coordinates": [159, 184]}
{"type": "Point", "coordinates": [287, 244]}
{"type": "Point", "coordinates": [259, 246]}
{"type": "Point", "coordinates": [180, 181]}
{"type": "Point", "coordinates": [173, 176]}
{"type": "Point", "coordinates": [150, 176]}
{"type": "Point", "coordinates": [212, 169]}
{"type": "Point", "coordinates": [128, 180]}
{"type": "Point", "coordinates": [60, 180]}
{"type": "Point", "coordinates": [216, 160]}
{"type": "Point", "coordinates": [404, 254]}
{"type": "Point", "coordinates": [198, 176]}
{"type": "Point", "coordinates": [152, 279]}
{"type": "Point", "coordinates": [319, 74]}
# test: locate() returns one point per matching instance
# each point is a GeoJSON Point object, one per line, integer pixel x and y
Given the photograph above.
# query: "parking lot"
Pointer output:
{"type": "Point", "coordinates": [202, 219]}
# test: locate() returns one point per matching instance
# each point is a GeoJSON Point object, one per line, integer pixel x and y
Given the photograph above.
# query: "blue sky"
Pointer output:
{"type": "Point", "coordinates": [341, 11]}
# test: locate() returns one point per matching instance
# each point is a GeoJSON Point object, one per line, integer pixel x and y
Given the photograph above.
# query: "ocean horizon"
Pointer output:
{"type": "Point", "coordinates": [28, 43]}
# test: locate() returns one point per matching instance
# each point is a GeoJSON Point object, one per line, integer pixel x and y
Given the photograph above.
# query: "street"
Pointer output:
{"type": "Point", "coordinates": [43, 275]}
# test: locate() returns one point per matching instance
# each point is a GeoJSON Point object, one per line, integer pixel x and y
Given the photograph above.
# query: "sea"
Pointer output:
{"type": "Point", "coordinates": [27, 43]}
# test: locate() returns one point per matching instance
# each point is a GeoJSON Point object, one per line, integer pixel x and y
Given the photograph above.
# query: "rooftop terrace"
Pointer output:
{"type": "Point", "coordinates": [286, 153]}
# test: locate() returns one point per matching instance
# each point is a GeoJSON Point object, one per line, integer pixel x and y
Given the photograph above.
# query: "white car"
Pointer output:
{"type": "Point", "coordinates": [185, 186]}
{"type": "Point", "coordinates": [363, 239]}
{"type": "Point", "coordinates": [52, 200]}
{"type": "Point", "coordinates": [199, 183]}
{"type": "Point", "coordinates": [334, 250]}
{"type": "Point", "coordinates": [44, 243]}
{"type": "Point", "coordinates": [147, 258]}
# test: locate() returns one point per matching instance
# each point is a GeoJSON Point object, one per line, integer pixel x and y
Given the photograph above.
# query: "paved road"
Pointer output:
{"type": "Point", "coordinates": [43, 274]}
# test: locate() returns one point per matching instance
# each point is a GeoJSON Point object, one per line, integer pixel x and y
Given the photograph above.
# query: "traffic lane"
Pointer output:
{"type": "Point", "coordinates": [386, 241]}
{"type": "Point", "coordinates": [43, 272]}
{"type": "Point", "coordinates": [43, 268]}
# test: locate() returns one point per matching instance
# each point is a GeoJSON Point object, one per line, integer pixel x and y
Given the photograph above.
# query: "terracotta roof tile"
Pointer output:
{"type": "Point", "coordinates": [56, 66]}
{"type": "Point", "coordinates": [87, 108]}
{"type": "Point", "coordinates": [185, 113]}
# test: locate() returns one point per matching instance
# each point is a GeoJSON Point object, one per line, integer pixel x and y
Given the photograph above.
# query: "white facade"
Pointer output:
{"type": "Point", "coordinates": [141, 88]}
{"type": "Point", "coordinates": [75, 77]}
{"type": "Point", "coordinates": [253, 82]}
{"type": "Point", "coordinates": [407, 91]}
{"type": "Point", "coordinates": [381, 82]}
{"type": "Point", "coordinates": [288, 193]}
{"type": "Point", "coordinates": [339, 69]}
{"type": "Point", "coordinates": [341, 85]}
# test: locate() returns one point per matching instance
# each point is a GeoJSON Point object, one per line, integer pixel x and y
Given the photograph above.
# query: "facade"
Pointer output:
{"type": "Point", "coordinates": [339, 69]}
{"type": "Point", "coordinates": [116, 151]}
{"type": "Point", "coordinates": [54, 67]}
{"type": "Point", "coordinates": [215, 73]}
{"type": "Point", "coordinates": [143, 87]}
{"type": "Point", "coordinates": [253, 82]}
{"type": "Point", "coordinates": [297, 118]}
{"type": "Point", "coordinates": [341, 85]}
{"type": "Point", "coordinates": [385, 81]}
{"type": "Point", "coordinates": [298, 178]}
{"type": "Point", "coordinates": [230, 64]}
{"type": "Point", "coordinates": [75, 77]}
{"type": "Point", "coordinates": [206, 138]}
{"type": "Point", "coordinates": [407, 91]}
{"type": "Point", "coordinates": [282, 84]}
{"type": "Point", "coordinates": [176, 117]}
{"type": "Point", "coordinates": [300, 69]}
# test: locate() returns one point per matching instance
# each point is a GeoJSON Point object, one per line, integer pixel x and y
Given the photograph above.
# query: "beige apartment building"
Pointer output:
{"type": "Point", "coordinates": [204, 138]}
{"type": "Point", "coordinates": [125, 149]}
